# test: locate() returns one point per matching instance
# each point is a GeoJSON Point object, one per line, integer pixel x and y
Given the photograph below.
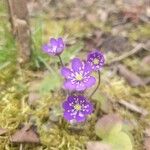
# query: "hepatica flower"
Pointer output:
{"type": "Point", "coordinates": [77, 108]}
{"type": "Point", "coordinates": [78, 78]}
{"type": "Point", "coordinates": [96, 60]}
{"type": "Point", "coordinates": [54, 46]}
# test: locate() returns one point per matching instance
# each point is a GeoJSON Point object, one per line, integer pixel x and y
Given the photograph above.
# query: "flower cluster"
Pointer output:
{"type": "Point", "coordinates": [78, 78]}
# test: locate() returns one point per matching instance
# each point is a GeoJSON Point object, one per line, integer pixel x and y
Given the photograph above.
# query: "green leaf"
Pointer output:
{"type": "Point", "coordinates": [119, 141]}
{"type": "Point", "coordinates": [99, 97]}
{"type": "Point", "coordinates": [71, 52]}
{"type": "Point", "coordinates": [105, 103]}
{"type": "Point", "coordinates": [4, 65]}
{"type": "Point", "coordinates": [107, 124]}
{"type": "Point", "coordinates": [50, 82]}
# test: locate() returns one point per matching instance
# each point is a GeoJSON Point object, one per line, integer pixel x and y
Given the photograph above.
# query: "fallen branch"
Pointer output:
{"type": "Point", "coordinates": [133, 108]}
{"type": "Point", "coordinates": [133, 79]}
{"type": "Point", "coordinates": [138, 48]}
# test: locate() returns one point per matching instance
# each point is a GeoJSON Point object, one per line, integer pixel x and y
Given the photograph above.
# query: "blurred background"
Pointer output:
{"type": "Point", "coordinates": [30, 94]}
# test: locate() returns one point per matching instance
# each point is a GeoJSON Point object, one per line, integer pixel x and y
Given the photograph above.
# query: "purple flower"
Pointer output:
{"type": "Point", "coordinates": [54, 46]}
{"type": "Point", "coordinates": [78, 78]}
{"type": "Point", "coordinates": [96, 60]}
{"type": "Point", "coordinates": [77, 108]}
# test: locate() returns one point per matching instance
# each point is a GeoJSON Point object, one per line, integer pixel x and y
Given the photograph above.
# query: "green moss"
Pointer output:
{"type": "Point", "coordinates": [142, 32]}
{"type": "Point", "coordinates": [15, 111]}
{"type": "Point", "coordinates": [137, 66]}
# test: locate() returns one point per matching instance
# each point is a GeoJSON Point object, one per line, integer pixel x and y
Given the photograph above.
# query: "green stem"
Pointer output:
{"type": "Point", "coordinates": [61, 62]}
{"type": "Point", "coordinates": [98, 84]}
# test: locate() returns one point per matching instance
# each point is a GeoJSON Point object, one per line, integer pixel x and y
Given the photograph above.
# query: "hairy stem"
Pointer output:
{"type": "Point", "coordinates": [98, 84]}
{"type": "Point", "coordinates": [61, 62]}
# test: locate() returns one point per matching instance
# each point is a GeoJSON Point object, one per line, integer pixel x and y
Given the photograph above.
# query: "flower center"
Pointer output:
{"type": "Point", "coordinates": [79, 77]}
{"type": "Point", "coordinates": [96, 61]}
{"type": "Point", "coordinates": [77, 107]}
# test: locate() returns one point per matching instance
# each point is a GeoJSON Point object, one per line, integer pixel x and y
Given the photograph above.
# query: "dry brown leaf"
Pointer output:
{"type": "Point", "coordinates": [89, 2]}
{"type": "Point", "coordinates": [145, 63]}
{"type": "Point", "coordinates": [147, 132]}
{"type": "Point", "coordinates": [147, 45]}
{"type": "Point", "coordinates": [146, 60]}
{"type": "Point", "coordinates": [95, 40]}
{"type": "Point", "coordinates": [117, 44]}
{"type": "Point", "coordinates": [25, 135]}
{"type": "Point", "coordinates": [33, 98]}
{"type": "Point", "coordinates": [103, 14]}
{"type": "Point", "coordinates": [98, 146]}
{"type": "Point", "coordinates": [133, 79]}
{"type": "Point", "coordinates": [147, 143]}
{"type": "Point", "coordinates": [108, 122]}
{"type": "Point", "coordinates": [147, 139]}
{"type": "Point", "coordinates": [91, 17]}
{"type": "Point", "coordinates": [109, 119]}
{"type": "Point", "coordinates": [2, 131]}
{"type": "Point", "coordinates": [132, 11]}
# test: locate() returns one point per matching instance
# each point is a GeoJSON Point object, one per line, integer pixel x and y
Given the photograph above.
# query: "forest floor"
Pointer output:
{"type": "Point", "coordinates": [31, 95]}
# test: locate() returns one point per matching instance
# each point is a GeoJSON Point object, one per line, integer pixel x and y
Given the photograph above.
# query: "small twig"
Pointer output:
{"type": "Point", "coordinates": [125, 55]}
{"type": "Point", "coordinates": [133, 107]}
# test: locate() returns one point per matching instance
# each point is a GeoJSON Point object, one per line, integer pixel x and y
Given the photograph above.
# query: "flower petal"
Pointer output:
{"type": "Point", "coordinates": [59, 50]}
{"type": "Point", "coordinates": [53, 42]}
{"type": "Point", "coordinates": [77, 65]}
{"type": "Point", "coordinates": [60, 42]}
{"type": "Point", "coordinates": [81, 99]}
{"type": "Point", "coordinates": [91, 81]}
{"type": "Point", "coordinates": [66, 72]}
{"type": "Point", "coordinates": [70, 101]}
{"type": "Point", "coordinates": [96, 55]}
{"type": "Point", "coordinates": [68, 116]}
{"type": "Point", "coordinates": [66, 105]}
{"type": "Point", "coordinates": [80, 117]}
{"type": "Point", "coordinates": [71, 98]}
{"type": "Point", "coordinates": [68, 85]}
{"type": "Point", "coordinates": [80, 87]}
{"type": "Point", "coordinates": [87, 108]}
{"type": "Point", "coordinates": [87, 68]}
{"type": "Point", "coordinates": [47, 50]}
